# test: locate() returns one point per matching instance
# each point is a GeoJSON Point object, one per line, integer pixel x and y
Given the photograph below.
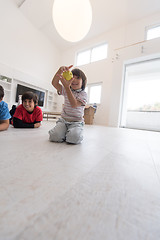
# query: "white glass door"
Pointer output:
{"type": "Point", "coordinates": [141, 96]}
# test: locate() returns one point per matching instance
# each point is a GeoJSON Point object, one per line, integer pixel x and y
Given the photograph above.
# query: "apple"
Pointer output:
{"type": "Point", "coordinates": [67, 75]}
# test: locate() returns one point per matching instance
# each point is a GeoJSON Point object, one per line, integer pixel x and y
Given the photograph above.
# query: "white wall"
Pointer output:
{"type": "Point", "coordinates": [108, 71]}
{"type": "Point", "coordinates": [25, 53]}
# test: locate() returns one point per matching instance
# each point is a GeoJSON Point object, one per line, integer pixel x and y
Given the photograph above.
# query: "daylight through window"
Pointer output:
{"type": "Point", "coordinates": [94, 93]}
{"type": "Point", "coordinates": [93, 54]}
{"type": "Point", "coordinates": [153, 32]}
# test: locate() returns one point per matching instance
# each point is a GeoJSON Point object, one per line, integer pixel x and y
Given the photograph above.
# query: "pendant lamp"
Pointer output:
{"type": "Point", "coordinates": [72, 18]}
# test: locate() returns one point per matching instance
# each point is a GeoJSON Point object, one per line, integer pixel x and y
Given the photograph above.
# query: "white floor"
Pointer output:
{"type": "Point", "coordinates": [108, 187]}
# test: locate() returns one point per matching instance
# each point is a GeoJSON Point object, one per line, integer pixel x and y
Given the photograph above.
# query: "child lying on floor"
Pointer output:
{"type": "Point", "coordinates": [4, 112]}
{"type": "Point", "coordinates": [28, 114]}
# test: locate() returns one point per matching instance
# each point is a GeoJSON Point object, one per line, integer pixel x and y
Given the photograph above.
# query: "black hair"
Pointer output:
{"type": "Point", "coordinates": [1, 92]}
{"type": "Point", "coordinates": [30, 95]}
{"type": "Point", "coordinates": [78, 73]}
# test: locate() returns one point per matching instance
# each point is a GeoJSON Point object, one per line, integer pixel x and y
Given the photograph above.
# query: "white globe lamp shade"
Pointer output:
{"type": "Point", "coordinates": [72, 18]}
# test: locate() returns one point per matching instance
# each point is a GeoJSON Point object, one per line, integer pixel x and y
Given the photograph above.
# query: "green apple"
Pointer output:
{"type": "Point", "coordinates": [67, 75]}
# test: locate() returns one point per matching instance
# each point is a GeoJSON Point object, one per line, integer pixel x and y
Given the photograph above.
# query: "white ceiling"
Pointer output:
{"type": "Point", "coordinates": [107, 15]}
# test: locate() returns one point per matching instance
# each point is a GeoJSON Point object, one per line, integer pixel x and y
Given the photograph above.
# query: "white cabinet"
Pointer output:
{"type": "Point", "coordinates": [6, 83]}
{"type": "Point", "coordinates": [10, 87]}
{"type": "Point", "coordinates": [52, 101]}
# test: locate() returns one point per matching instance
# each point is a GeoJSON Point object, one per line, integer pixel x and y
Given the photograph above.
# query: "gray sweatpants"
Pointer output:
{"type": "Point", "coordinates": [71, 132]}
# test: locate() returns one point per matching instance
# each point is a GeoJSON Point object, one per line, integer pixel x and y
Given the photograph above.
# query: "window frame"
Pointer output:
{"type": "Point", "coordinates": [91, 49]}
{"type": "Point", "coordinates": [149, 28]}
{"type": "Point", "coordinates": [89, 86]}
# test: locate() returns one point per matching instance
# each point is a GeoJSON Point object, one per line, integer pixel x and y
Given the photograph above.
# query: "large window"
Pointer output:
{"type": "Point", "coordinates": [141, 97]}
{"type": "Point", "coordinates": [153, 32]}
{"type": "Point", "coordinates": [94, 93]}
{"type": "Point", "coordinates": [93, 54]}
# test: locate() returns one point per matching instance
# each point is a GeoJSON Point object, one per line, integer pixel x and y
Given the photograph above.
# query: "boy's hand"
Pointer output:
{"type": "Point", "coordinates": [37, 125]}
{"type": "Point", "coordinates": [58, 76]}
{"type": "Point", "coordinates": [64, 69]}
{"type": "Point", "coordinates": [66, 83]}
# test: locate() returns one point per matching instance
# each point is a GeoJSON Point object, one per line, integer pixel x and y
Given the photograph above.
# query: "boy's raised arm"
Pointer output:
{"type": "Point", "coordinates": [56, 78]}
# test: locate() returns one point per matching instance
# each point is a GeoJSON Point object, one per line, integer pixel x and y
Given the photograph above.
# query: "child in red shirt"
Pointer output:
{"type": "Point", "coordinates": [28, 114]}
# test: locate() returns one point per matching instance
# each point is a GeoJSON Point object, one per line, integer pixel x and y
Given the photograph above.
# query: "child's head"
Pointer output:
{"type": "Point", "coordinates": [29, 101]}
{"type": "Point", "coordinates": [79, 75]}
{"type": "Point", "coordinates": [1, 93]}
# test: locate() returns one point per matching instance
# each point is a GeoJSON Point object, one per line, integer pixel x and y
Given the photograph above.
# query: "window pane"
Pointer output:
{"type": "Point", "coordinates": [83, 58]}
{"type": "Point", "coordinates": [147, 95]}
{"type": "Point", "coordinates": [153, 33]}
{"type": "Point", "coordinates": [99, 53]}
{"type": "Point", "coordinates": [95, 94]}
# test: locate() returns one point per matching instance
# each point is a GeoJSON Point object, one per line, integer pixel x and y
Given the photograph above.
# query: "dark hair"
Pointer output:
{"type": "Point", "coordinates": [78, 73]}
{"type": "Point", "coordinates": [30, 95]}
{"type": "Point", "coordinates": [1, 92]}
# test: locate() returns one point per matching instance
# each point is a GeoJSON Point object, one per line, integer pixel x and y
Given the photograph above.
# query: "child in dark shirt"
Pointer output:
{"type": "Point", "coordinates": [28, 114]}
